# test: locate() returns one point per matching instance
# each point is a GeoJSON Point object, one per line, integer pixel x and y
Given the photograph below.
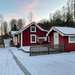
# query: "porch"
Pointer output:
{"type": "Point", "coordinates": [45, 49]}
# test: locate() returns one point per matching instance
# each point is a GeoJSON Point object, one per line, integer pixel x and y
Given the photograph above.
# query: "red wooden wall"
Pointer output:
{"type": "Point", "coordinates": [62, 40]}
{"type": "Point", "coordinates": [26, 36]}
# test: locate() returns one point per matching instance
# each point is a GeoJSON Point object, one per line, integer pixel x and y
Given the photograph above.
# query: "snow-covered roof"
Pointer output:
{"type": "Point", "coordinates": [63, 30]}
{"type": "Point", "coordinates": [35, 25]}
{"type": "Point", "coordinates": [14, 32]}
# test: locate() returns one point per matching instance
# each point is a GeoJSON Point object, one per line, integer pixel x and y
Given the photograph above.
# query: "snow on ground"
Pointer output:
{"type": "Point", "coordinates": [8, 65]}
{"type": "Point", "coordinates": [26, 48]}
{"type": "Point", "coordinates": [53, 64]}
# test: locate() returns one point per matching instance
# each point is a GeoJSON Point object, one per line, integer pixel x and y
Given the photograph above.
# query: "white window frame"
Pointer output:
{"type": "Point", "coordinates": [70, 40]}
{"type": "Point", "coordinates": [31, 38]}
{"type": "Point", "coordinates": [31, 28]}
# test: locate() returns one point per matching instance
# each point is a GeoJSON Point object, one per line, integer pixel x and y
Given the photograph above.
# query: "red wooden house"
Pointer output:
{"type": "Point", "coordinates": [59, 36]}
{"type": "Point", "coordinates": [32, 34]}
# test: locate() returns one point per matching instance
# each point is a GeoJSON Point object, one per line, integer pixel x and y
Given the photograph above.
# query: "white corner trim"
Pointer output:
{"type": "Point", "coordinates": [31, 38]}
{"type": "Point", "coordinates": [21, 39]}
{"type": "Point", "coordinates": [69, 40]}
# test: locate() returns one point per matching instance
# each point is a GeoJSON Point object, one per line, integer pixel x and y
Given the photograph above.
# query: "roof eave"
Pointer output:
{"type": "Point", "coordinates": [36, 25]}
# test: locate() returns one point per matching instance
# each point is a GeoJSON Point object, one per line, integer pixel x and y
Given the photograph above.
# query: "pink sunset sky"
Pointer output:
{"type": "Point", "coordinates": [22, 8]}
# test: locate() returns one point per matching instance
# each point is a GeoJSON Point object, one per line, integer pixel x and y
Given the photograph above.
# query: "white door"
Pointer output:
{"type": "Point", "coordinates": [56, 40]}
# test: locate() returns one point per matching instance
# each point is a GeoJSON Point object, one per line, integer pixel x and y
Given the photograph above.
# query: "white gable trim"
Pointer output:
{"type": "Point", "coordinates": [64, 31]}
{"type": "Point", "coordinates": [35, 25]}
{"type": "Point", "coordinates": [41, 28]}
{"type": "Point", "coordinates": [53, 28]}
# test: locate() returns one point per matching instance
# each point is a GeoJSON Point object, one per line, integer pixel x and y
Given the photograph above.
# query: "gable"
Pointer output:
{"type": "Point", "coordinates": [64, 31]}
{"type": "Point", "coordinates": [33, 24]}
{"type": "Point", "coordinates": [37, 29]}
{"type": "Point", "coordinates": [53, 30]}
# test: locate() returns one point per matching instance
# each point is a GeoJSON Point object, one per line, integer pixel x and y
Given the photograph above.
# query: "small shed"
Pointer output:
{"type": "Point", "coordinates": [59, 36]}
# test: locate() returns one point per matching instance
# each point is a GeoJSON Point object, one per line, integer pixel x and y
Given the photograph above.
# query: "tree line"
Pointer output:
{"type": "Point", "coordinates": [14, 25]}
{"type": "Point", "coordinates": [59, 19]}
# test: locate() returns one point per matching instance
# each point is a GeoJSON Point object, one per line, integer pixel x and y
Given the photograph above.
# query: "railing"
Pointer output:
{"type": "Point", "coordinates": [45, 49]}
{"type": "Point", "coordinates": [39, 49]}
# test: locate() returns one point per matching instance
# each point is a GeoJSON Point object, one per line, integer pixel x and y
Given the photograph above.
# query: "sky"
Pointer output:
{"type": "Point", "coordinates": [22, 8]}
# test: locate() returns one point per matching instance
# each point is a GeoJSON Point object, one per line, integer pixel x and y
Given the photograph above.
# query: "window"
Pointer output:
{"type": "Point", "coordinates": [33, 38]}
{"type": "Point", "coordinates": [33, 29]}
{"type": "Point", "coordinates": [71, 39]}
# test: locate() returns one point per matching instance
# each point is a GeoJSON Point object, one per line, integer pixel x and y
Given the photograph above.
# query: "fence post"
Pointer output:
{"type": "Point", "coordinates": [30, 51]}
{"type": "Point", "coordinates": [48, 49]}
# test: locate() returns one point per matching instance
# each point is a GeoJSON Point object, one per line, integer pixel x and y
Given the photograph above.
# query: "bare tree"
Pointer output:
{"type": "Point", "coordinates": [57, 15]}
{"type": "Point", "coordinates": [20, 23]}
{"type": "Point", "coordinates": [5, 26]}
{"type": "Point", "coordinates": [1, 21]}
{"type": "Point", "coordinates": [13, 22]}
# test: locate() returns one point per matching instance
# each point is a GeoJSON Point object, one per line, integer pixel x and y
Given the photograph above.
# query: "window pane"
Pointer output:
{"type": "Point", "coordinates": [33, 28]}
{"type": "Point", "coordinates": [72, 38]}
{"type": "Point", "coordinates": [33, 38]}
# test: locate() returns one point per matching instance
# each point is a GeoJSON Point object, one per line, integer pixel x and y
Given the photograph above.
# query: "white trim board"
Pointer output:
{"type": "Point", "coordinates": [64, 31]}
{"type": "Point", "coordinates": [35, 25]}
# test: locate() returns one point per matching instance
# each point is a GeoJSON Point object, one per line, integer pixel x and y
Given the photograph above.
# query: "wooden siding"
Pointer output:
{"type": "Point", "coordinates": [63, 40]}
{"type": "Point", "coordinates": [26, 36]}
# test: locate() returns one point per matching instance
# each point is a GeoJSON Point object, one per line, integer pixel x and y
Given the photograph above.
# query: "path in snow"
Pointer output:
{"type": "Point", "coordinates": [22, 67]}
{"type": "Point", "coordinates": [8, 65]}
{"type": "Point", "coordinates": [56, 64]}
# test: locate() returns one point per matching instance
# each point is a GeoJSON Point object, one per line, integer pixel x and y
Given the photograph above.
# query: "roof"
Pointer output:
{"type": "Point", "coordinates": [32, 24]}
{"type": "Point", "coordinates": [63, 30]}
{"type": "Point", "coordinates": [44, 26]}
{"type": "Point", "coordinates": [14, 32]}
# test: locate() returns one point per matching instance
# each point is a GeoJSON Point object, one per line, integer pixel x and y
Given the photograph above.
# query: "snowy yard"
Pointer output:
{"type": "Point", "coordinates": [55, 64]}
{"type": "Point", "coordinates": [7, 64]}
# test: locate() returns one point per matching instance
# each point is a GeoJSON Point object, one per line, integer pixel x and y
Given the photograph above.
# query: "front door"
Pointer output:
{"type": "Point", "coordinates": [56, 40]}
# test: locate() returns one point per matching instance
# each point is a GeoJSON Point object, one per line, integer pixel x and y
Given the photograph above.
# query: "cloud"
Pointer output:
{"type": "Point", "coordinates": [8, 17]}
{"type": "Point", "coordinates": [31, 6]}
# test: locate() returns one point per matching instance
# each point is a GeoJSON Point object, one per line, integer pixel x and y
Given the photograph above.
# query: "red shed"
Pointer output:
{"type": "Point", "coordinates": [32, 34]}
{"type": "Point", "coordinates": [58, 36]}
